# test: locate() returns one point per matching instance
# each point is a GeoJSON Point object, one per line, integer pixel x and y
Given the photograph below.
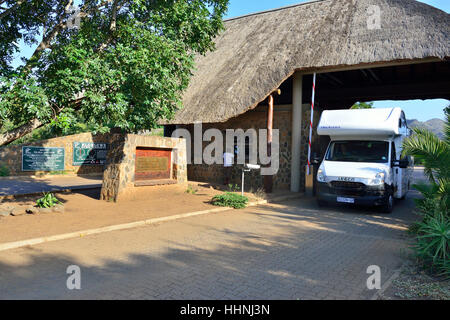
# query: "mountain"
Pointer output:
{"type": "Point", "coordinates": [434, 125]}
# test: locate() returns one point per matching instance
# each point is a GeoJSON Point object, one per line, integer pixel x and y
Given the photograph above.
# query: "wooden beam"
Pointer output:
{"type": "Point", "coordinates": [268, 180]}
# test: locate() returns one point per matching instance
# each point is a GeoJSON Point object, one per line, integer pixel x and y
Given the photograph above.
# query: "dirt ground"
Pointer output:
{"type": "Point", "coordinates": [84, 211]}
{"type": "Point", "coordinates": [416, 284]}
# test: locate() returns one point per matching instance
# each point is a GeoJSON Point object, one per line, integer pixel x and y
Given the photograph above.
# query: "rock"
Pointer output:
{"type": "Point", "coordinates": [4, 213]}
{"type": "Point", "coordinates": [32, 210]}
{"type": "Point", "coordinates": [45, 210]}
{"type": "Point", "coordinates": [5, 210]}
{"type": "Point", "coordinates": [58, 208]}
{"type": "Point", "coordinates": [18, 211]}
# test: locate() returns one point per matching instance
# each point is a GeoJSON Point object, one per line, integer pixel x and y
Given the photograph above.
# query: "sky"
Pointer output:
{"type": "Point", "coordinates": [243, 7]}
{"type": "Point", "coordinates": [415, 109]}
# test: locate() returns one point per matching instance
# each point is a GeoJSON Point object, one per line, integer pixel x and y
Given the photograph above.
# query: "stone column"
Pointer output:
{"type": "Point", "coordinates": [297, 94]}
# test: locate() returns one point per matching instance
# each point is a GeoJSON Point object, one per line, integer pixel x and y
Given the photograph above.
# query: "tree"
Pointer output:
{"type": "Point", "coordinates": [432, 246]}
{"type": "Point", "coordinates": [115, 63]}
{"type": "Point", "coordinates": [362, 105]}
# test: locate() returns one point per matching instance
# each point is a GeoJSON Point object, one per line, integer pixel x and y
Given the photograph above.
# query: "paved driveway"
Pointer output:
{"type": "Point", "coordinates": [292, 250]}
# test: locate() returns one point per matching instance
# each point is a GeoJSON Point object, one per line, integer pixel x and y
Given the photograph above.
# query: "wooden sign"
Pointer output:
{"type": "Point", "coordinates": [153, 164]}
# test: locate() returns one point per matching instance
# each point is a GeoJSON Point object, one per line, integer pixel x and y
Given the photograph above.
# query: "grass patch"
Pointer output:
{"type": "Point", "coordinates": [57, 173]}
{"type": "Point", "coordinates": [231, 200]}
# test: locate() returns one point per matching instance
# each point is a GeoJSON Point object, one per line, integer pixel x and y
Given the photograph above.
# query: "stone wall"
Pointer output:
{"type": "Point", "coordinates": [11, 156]}
{"type": "Point", "coordinates": [119, 175]}
{"type": "Point", "coordinates": [257, 119]}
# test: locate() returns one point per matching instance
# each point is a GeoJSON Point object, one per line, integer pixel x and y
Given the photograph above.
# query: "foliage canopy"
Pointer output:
{"type": "Point", "coordinates": [115, 63]}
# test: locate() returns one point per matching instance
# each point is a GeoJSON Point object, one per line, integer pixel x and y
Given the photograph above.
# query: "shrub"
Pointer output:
{"type": "Point", "coordinates": [231, 200]}
{"type": "Point", "coordinates": [433, 243]}
{"type": "Point", "coordinates": [433, 232]}
{"type": "Point", "coordinates": [47, 201]}
{"type": "Point", "coordinates": [57, 173]}
{"type": "Point", "coordinates": [4, 171]}
{"type": "Point", "coordinates": [191, 190]}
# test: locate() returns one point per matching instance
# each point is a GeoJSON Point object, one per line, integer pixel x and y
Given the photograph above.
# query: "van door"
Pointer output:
{"type": "Point", "coordinates": [396, 173]}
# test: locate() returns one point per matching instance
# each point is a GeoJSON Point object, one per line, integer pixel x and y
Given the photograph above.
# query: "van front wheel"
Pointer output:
{"type": "Point", "coordinates": [321, 203]}
{"type": "Point", "coordinates": [388, 207]}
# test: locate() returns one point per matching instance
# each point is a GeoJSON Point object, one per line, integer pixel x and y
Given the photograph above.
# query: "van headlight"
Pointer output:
{"type": "Point", "coordinates": [379, 179]}
{"type": "Point", "coordinates": [321, 177]}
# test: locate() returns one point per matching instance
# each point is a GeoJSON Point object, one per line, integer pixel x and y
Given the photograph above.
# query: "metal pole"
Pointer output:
{"type": "Point", "coordinates": [311, 124]}
{"type": "Point", "coordinates": [243, 176]}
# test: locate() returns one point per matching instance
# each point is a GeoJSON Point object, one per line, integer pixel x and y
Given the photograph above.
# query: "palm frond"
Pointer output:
{"type": "Point", "coordinates": [447, 125]}
{"type": "Point", "coordinates": [435, 153]}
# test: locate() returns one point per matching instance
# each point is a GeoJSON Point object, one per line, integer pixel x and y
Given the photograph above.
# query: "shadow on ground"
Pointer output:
{"type": "Point", "coordinates": [281, 253]}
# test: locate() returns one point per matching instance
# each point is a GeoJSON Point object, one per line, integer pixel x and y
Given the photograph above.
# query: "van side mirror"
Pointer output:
{"type": "Point", "coordinates": [402, 164]}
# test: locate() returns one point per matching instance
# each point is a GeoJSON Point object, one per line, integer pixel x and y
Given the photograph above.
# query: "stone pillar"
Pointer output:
{"type": "Point", "coordinates": [297, 94]}
{"type": "Point", "coordinates": [113, 175]}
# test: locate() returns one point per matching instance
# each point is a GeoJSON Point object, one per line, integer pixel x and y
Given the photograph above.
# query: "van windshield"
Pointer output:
{"type": "Point", "coordinates": [358, 151]}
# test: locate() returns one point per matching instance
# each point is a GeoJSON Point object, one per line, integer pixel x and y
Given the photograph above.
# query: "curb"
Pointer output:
{"type": "Point", "coordinates": [84, 233]}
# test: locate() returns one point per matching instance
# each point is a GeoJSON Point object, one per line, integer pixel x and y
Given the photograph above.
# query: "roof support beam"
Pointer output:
{"type": "Point", "coordinates": [297, 96]}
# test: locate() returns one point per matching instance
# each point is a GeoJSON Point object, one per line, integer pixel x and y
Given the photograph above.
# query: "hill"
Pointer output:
{"type": "Point", "coordinates": [434, 125]}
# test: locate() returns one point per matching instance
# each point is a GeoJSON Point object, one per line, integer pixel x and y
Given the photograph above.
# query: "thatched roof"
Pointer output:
{"type": "Point", "coordinates": [256, 53]}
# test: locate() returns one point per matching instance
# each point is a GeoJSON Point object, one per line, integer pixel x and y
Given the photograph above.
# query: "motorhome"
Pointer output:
{"type": "Point", "coordinates": [363, 164]}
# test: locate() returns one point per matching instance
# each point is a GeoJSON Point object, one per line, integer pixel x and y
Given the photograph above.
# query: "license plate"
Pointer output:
{"type": "Point", "coordinates": [345, 200]}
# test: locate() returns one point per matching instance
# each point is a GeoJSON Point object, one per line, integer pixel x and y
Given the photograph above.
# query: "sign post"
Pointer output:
{"type": "Point", "coordinates": [311, 124]}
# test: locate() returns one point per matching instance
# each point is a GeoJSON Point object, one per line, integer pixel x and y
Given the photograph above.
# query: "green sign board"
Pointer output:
{"type": "Point", "coordinates": [42, 159]}
{"type": "Point", "coordinates": [89, 153]}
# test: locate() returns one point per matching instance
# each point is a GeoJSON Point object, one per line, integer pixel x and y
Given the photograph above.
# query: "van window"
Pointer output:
{"type": "Point", "coordinates": [393, 152]}
{"type": "Point", "coordinates": [358, 151]}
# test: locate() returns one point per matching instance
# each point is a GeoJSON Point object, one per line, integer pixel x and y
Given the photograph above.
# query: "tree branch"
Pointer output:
{"type": "Point", "coordinates": [10, 10]}
{"type": "Point", "coordinates": [112, 25]}
{"type": "Point", "coordinates": [46, 41]}
{"type": "Point", "coordinates": [17, 133]}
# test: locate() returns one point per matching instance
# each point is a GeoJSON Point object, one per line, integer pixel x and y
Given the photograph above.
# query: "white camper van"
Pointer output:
{"type": "Point", "coordinates": [363, 163]}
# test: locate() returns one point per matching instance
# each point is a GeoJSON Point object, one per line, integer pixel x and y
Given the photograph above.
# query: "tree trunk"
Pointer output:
{"type": "Point", "coordinates": [17, 133]}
